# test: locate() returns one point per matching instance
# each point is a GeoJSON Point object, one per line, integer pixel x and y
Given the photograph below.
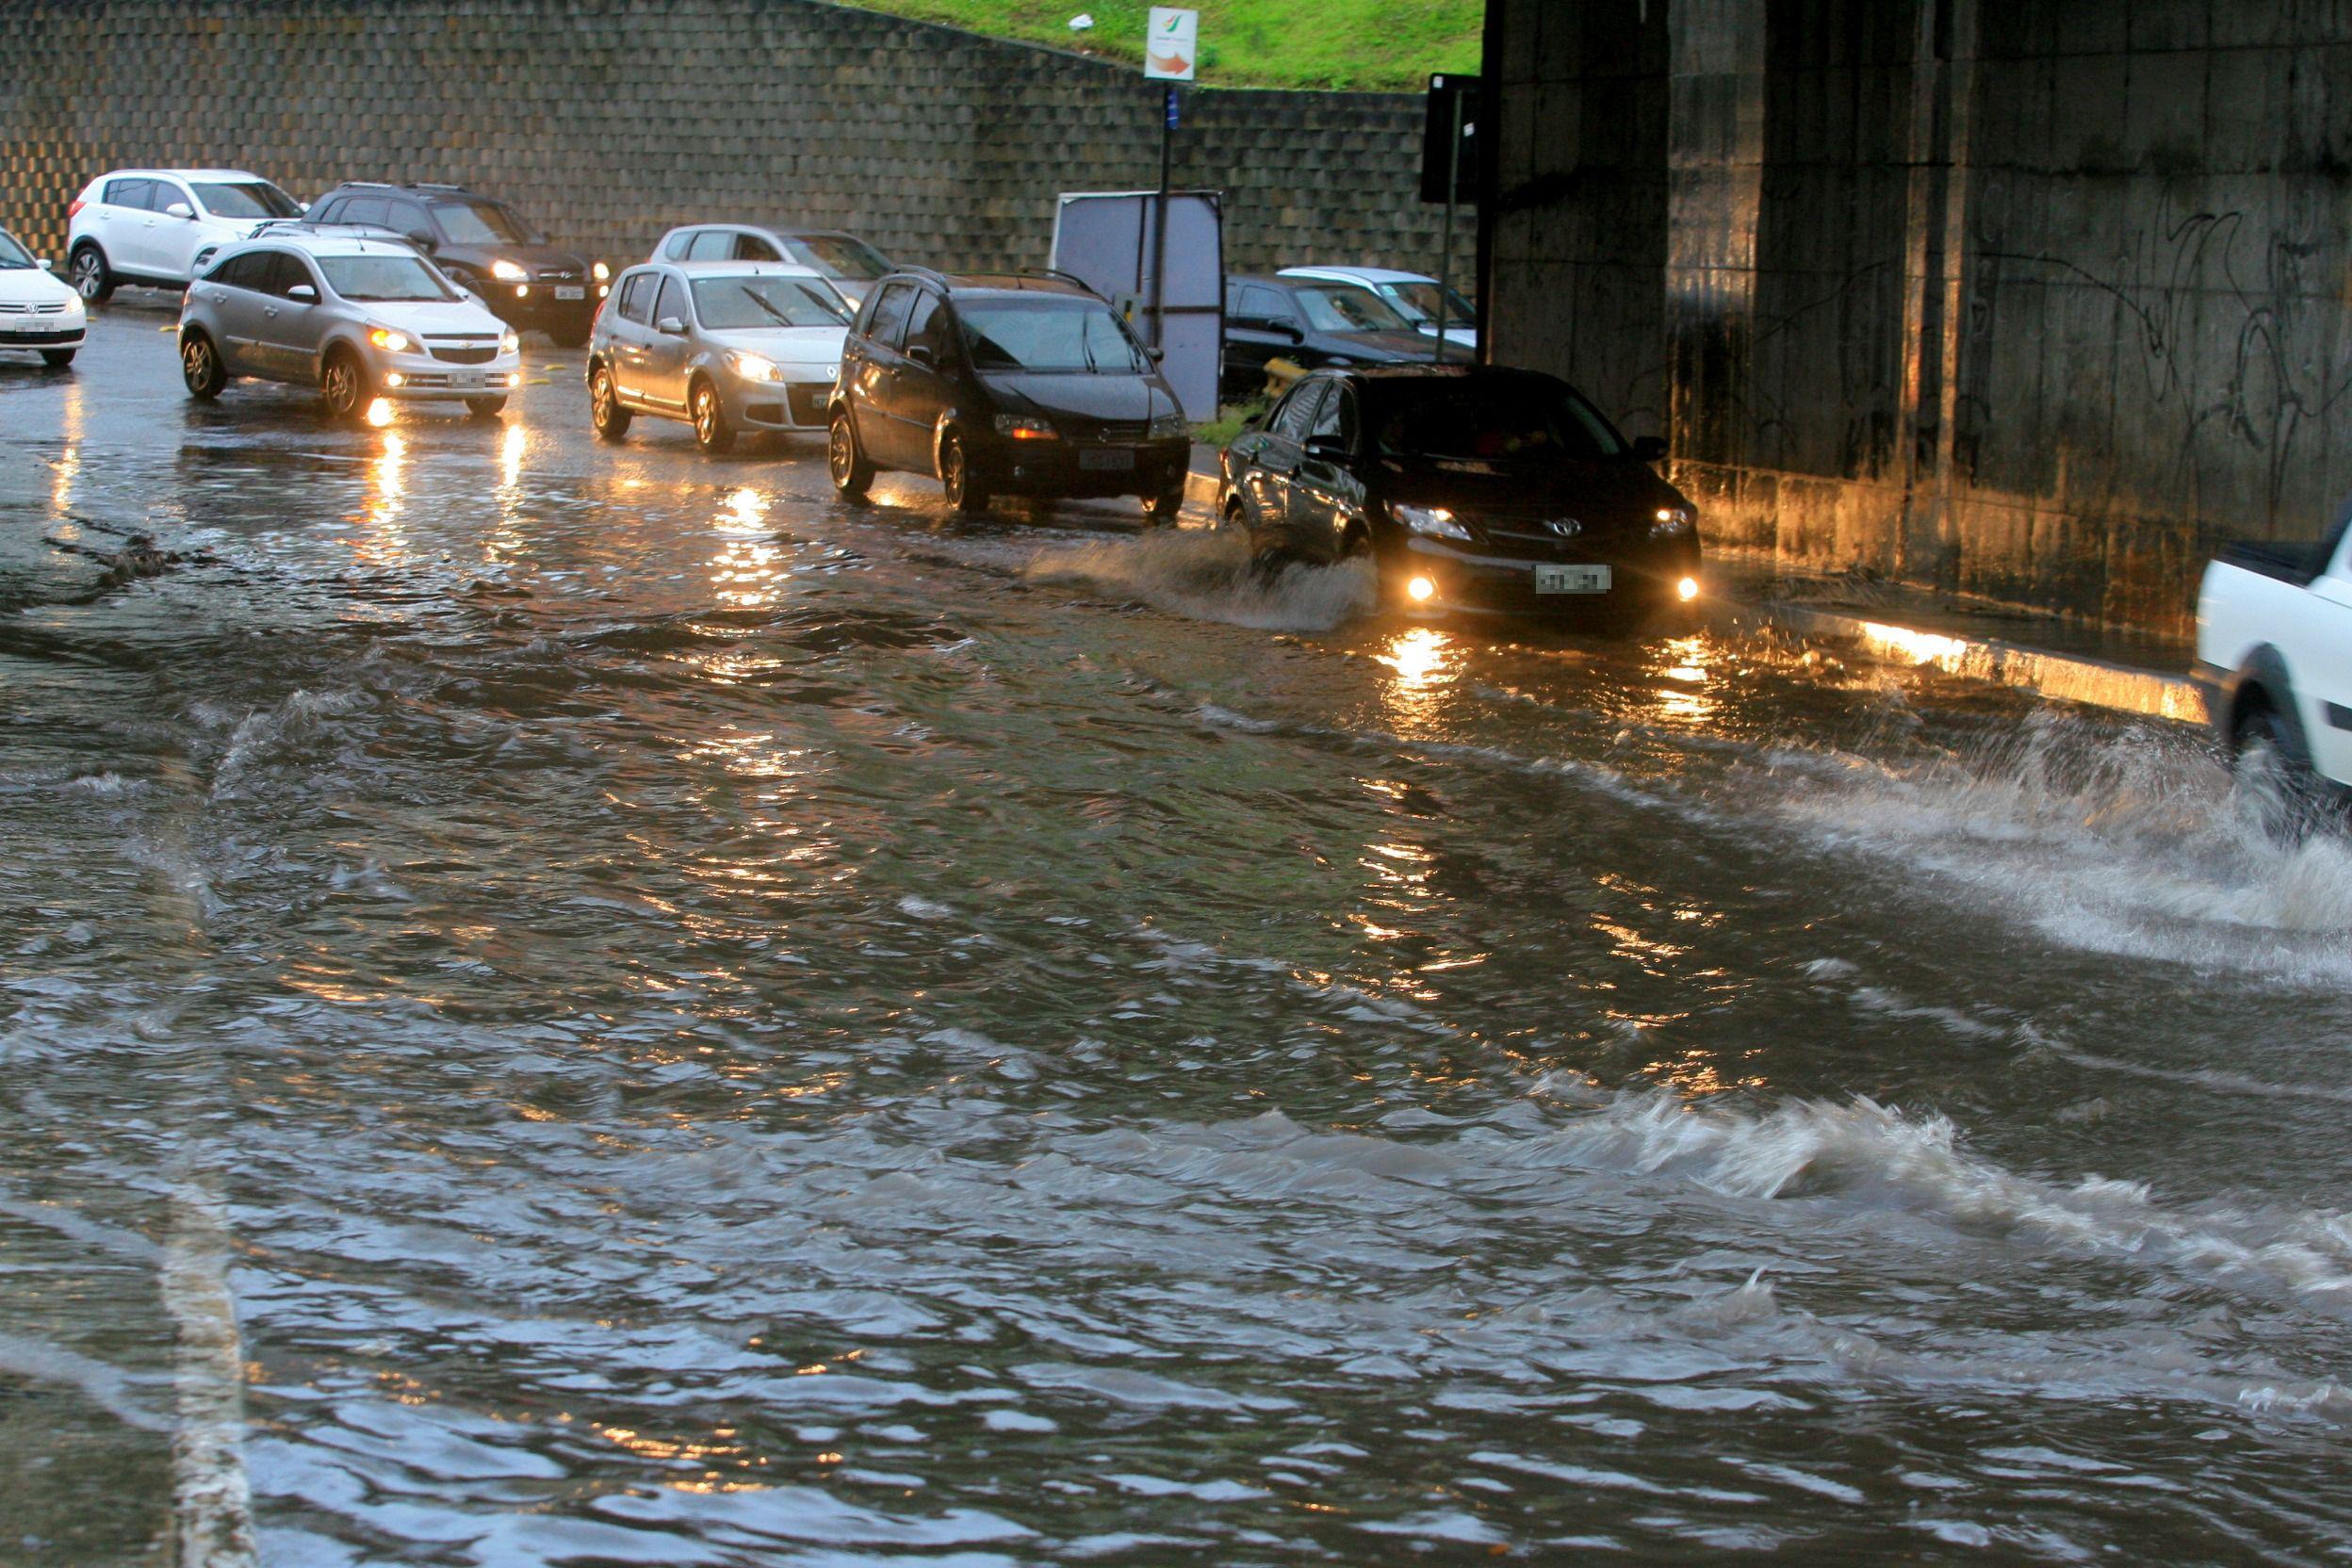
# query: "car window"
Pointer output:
{"type": "Point", "coordinates": [1291, 420]}
{"type": "Point", "coordinates": [637, 297]}
{"type": "Point", "coordinates": [890, 314]}
{"type": "Point", "coordinates": [286, 270]}
{"type": "Point", "coordinates": [734, 305]}
{"type": "Point", "coordinates": [372, 210]}
{"type": "Point", "coordinates": [13, 256]}
{"type": "Point", "coordinates": [1343, 307]}
{"type": "Point", "coordinates": [1491, 423]}
{"type": "Point", "coordinates": [325, 211]}
{"type": "Point", "coordinates": [1335, 419]}
{"type": "Point", "coordinates": [1263, 304]}
{"type": "Point", "coordinates": [163, 193]}
{"type": "Point", "coordinates": [674, 248]}
{"type": "Point", "coordinates": [1418, 302]}
{"type": "Point", "coordinates": [750, 247]}
{"type": "Point", "coordinates": [249, 270]}
{"type": "Point", "coordinates": [244, 199]}
{"type": "Point", "coordinates": [712, 245]}
{"type": "Point", "coordinates": [408, 219]}
{"type": "Point", "coordinates": [1061, 334]}
{"type": "Point", "coordinates": [385, 278]}
{"type": "Point", "coordinates": [482, 223]}
{"type": "Point", "coordinates": [837, 255]}
{"type": "Point", "coordinates": [128, 194]}
{"type": "Point", "coordinates": [928, 325]}
{"type": "Point", "coordinates": [671, 306]}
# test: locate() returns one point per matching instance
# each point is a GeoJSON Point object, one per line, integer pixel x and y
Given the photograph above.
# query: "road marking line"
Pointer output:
{"type": "Point", "coordinates": [212, 1503]}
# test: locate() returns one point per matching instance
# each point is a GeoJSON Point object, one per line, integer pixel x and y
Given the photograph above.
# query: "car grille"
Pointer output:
{"type": "Point", "coordinates": [806, 401]}
{"type": "Point", "coordinates": [466, 355]}
{"type": "Point", "coordinates": [1120, 430]}
{"type": "Point", "coordinates": [559, 274]}
{"type": "Point", "coordinates": [56, 308]}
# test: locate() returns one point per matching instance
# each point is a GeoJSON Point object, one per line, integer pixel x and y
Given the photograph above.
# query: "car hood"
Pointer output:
{"type": "Point", "coordinates": [1601, 495]}
{"type": "Point", "coordinates": [1087, 397]}
{"type": "Point", "coordinates": [433, 318]}
{"type": "Point", "coordinates": [537, 257]}
{"type": "Point", "coordinates": [785, 345]}
{"type": "Point", "coordinates": [30, 286]}
{"type": "Point", "coordinates": [1389, 345]}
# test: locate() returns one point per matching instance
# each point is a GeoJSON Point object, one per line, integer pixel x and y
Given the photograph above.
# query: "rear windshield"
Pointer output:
{"type": "Point", "coordinates": [837, 256]}
{"type": "Point", "coordinates": [1050, 333]}
{"type": "Point", "coordinates": [12, 255]}
{"type": "Point", "coordinates": [386, 278]}
{"type": "Point", "coordinates": [731, 305]}
{"type": "Point", "coordinates": [1419, 300]}
{"type": "Point", "coordinates": [1339, 307]}
{"type": "Point", "coordinates": [247, 199]}
{"type": "Point", "coordinates": [1448, 420]}
{"type": "Point", "coordinates": [482, 223]}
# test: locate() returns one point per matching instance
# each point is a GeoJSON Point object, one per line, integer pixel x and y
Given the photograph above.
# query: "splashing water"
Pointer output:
{"type": "Point", "coordinates": [1209, 575]}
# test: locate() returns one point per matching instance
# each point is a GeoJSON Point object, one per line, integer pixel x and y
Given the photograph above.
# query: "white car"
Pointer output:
{"type": "Point", "coordinates": [37, 312]}
{"type": "Point", "coordinates": [2274, 660]}
{"type": "Point", "coordinates": [728, 346]}
{"type": "Point", "coordinates": [360, 316]}
{"type": "Point", "coordinates": [157, 228]}
{"type": "Point", "coordinates": [1412, 295]}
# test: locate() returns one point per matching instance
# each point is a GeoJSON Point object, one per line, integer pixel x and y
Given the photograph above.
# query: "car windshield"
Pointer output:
{"type": "Point", "coordinates": [1341, 307]}
{"type": "Point", "coordinates": [838, 256]}
{"type": "Point", "coordinates": [1465, 422]}
{"type": "Point", "coordinates": [1418, 302]}
{"type": "Point", "coordinates": [384, 278]}
{"type": "Point", "coordinates": [1050, 333]}
{"type": "Point", "coordinates": [481, 223]}
{"type": "Point", "coordinates": [247, 199]}
{"type": "Point", "coordinates": [731, 305]}
{"type": "Point", "coordinates": [13, 256]}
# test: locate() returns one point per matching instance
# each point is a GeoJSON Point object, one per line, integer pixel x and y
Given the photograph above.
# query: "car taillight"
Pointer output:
{"type": "Point", "coordinates": [75, 210]}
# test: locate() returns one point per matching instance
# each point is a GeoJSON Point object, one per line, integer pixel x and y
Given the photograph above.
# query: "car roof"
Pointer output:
{"type": "Point", "coordinates": [1008, 282]}
{"type": "Point", "coordinates": [422, 191]}
{"type": "Point", "coordinates": [323, 244]}
{"type": "Point", "coordinates": [1356, 274]}
{"type": "Point", "coordinates": [760, 225]}
{"type": "Point", "coordinates": [737, 268]}
{"type": "Point", "coordinates": [208, 174]}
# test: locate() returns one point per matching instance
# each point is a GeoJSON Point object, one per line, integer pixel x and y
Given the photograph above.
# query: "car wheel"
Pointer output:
{"type": "Point", "coordinates": [486, 408]}
{"type": "Point", "coordinates": [57, 359]}
{"type": "Point", "coordinates": [713, 433]}
{"type": "Point", "coordinates": [2271, 769]}
{"type": "Point", "coordinates": [852, 474]}
{"type": "Point", "coordinates": [604, 406]}
{"type": "Point", "coordinates": [200, 368]}
{"type": "Point", "coordinates": [965, 492]}
{"type": "Point", "coordinates": [1161, 511]}
{"type": "Point", "coordinates": [93, 280]}
{"type": "Point", "coordinates": [344, 386]}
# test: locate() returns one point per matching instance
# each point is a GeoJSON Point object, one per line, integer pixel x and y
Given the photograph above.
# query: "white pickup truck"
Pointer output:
{"type": "Point", "coordinates": [2273, 659]}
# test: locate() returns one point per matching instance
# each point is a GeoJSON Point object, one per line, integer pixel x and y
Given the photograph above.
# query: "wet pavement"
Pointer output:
{"type": "Point", "coordinates": [599, 1006]}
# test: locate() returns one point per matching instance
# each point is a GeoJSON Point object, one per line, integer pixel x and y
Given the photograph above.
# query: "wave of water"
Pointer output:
{"type": "Point", "coordinates": [1209, 575]}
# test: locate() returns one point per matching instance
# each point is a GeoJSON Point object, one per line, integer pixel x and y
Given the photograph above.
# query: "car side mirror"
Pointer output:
{"type": "Point", "coordinates": [303, 294]}
{"type": "Point", "coordinates": [670, 326]}
{"type": "Point", "coordinates": [1649, 448]}
{"type": "Point", "coordinates": [47, 264]}
{"type": "Point", "coordinates": [920, 353]}
{"type": "Point", "coordinates": [1330, 449]}
{"type": "Point", "coordinates": [179, 209]}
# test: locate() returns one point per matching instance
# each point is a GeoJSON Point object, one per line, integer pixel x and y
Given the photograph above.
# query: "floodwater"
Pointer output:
{"type": "Point", "coordinates": [563, 1004]}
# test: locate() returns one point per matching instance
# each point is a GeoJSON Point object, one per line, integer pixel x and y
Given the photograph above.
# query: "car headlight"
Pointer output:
{"type": "Point", "coordinates": [756, 367]}
{"type": "Point", "coordinates": [601, 272]}
{"type": "Point", "coordinates": [389, 341]}
{"type": "Point", "coordinates": [507, 271]}
{"type": "Point", "coordinates": [1433, 520]}
{"type": "Point", "coordinates": [510, 343]}
{"type": "Point", "coordinates": [1168, 426]}
{"type": "Point", "coordinates": [1667, 521]}
{"type": "Point", "coordinates": [1022, 427]}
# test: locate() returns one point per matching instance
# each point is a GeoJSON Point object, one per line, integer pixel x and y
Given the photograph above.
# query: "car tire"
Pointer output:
{"type": "Point", "coordinates": [713, 433]}
{"type": "Point", "coordinates": [486, 408]}
{"type": "Point", "coordinates": [1161, 511]}
{"type": "Point", "coordinates": [2269, 762]}
{"type": "Point", "coordinates": [605, 410]}
{"type": "Point", "coordinates": [345, 387]}
{"type": "Point", "coordinates": [57, 359]}
{"type": "Point", "coordinates": [93, 280]}
{"type": "Point", "coordinates": [965, 491]}
{"type": "Point", "coordinates": [201, 366]}
{"type": "Point", "coordinates": [846, 461]}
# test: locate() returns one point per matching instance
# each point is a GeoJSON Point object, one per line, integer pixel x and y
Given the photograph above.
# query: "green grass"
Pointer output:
{"type": "Point", "coordinates": [1220, 431]}
{"type": "Point", "coordinates": [1366, 45]}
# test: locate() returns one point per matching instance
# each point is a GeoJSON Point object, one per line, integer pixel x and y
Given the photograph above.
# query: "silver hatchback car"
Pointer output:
{"type": "Point", "coordinates": [728, 346]}
{"type": "Point", "coordinates": [359, 317]}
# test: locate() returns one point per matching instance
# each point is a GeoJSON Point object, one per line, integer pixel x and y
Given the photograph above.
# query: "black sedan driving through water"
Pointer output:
{"type": "Point", "coordinates": [1471, 488]}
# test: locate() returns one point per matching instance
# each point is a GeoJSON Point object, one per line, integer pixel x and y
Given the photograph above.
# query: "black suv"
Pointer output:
{"type": "Point", "coordinates": [1469, 488]}
{"type": "Point", "coordinates": [1311, 324]}
{"type": "Point", "coordinates": [485, 246]}
{"type": "Point", "coordinates": [1023, 384]}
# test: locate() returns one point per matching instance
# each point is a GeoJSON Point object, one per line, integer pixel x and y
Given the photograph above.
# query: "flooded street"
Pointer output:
{"type": "Point", "coordinates": [595, 1005]}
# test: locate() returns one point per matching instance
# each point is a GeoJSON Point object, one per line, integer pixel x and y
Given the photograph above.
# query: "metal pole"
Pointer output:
{"type": "Point", "coordinates": [1159, 221]}
{"type": "Point", "coordinates": [1446, 249]}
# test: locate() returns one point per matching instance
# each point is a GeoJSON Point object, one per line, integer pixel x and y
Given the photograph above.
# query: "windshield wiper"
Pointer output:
{"type": "Point", "coordinates": [780, 318]}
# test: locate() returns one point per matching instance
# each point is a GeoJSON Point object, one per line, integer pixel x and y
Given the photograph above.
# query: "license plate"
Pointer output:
{"type": "Point", "coordinates": [28, 328]}
{"type": "Point", "coordinates": [1117, 461]}
{"type": "Point", "coordinates": [1572, 579]}
{"type": "Point", "coordinates": [571, 291]}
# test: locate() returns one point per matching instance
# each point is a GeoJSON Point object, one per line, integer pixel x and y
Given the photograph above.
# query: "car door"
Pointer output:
{"type": "Point", "coordinates": [1325, 494]}
{"type": "Point", "coordinates": [663, 372]}
{"type": "Point", "coordinates": [630, 335]}
{"type": "Point", "coordinates": [177, 239]}
{"type": "Point", "coordinates": [1260, 327]}
{"type": "Point", "coordinates": [1270, 459]}
{"type": "Point", "coordinates": [292, 327]}
{"type": "Point", "coordinates": [869, 363]}
{"type": "Point", "coordinates": [130, 237]}
{"type": "Point", "coordinates": [922, 387]}
{"type": "Point", "coordinates": [234, 295]}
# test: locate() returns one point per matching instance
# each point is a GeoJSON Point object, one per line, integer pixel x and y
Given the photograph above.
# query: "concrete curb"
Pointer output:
{"type": "Point", "coordinates": [2069, 678]}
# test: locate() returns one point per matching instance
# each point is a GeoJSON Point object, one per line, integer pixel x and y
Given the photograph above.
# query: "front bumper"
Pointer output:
{"type": "Point", "coordinates": [414, 375]}
{"type": "Point", "coordinates": [1079, 469]}
{"type": "Point", "coordinates": [67, 336]}
{"type": "Point", "coordinates": [800, 401]}
{"type": "Point", "coordinates": [1463, 577]}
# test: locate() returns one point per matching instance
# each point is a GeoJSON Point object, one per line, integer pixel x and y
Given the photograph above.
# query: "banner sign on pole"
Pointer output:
{"type": "Point", "coordinates": [1171, 50]}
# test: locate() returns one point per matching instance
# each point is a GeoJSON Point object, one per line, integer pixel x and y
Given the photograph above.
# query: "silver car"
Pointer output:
{"type": "Point", "coordinates": [362, 318]}
{"type": "Point", "coordinates": [846, 261]}
{"type": "Point", "coordinates": [729, 346]}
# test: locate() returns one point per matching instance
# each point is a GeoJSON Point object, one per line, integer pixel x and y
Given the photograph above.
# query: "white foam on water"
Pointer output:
{"type": "Point", "coordinates": [1208, 575]}
{"type": "Point", "coordinates": [2134, 844]}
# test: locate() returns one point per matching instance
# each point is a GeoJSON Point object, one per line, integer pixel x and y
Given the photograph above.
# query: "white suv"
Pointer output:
{"type": "Point", "coordinates": [361, 317]}
{"type": "Point", "coordinates": [157, 228]}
